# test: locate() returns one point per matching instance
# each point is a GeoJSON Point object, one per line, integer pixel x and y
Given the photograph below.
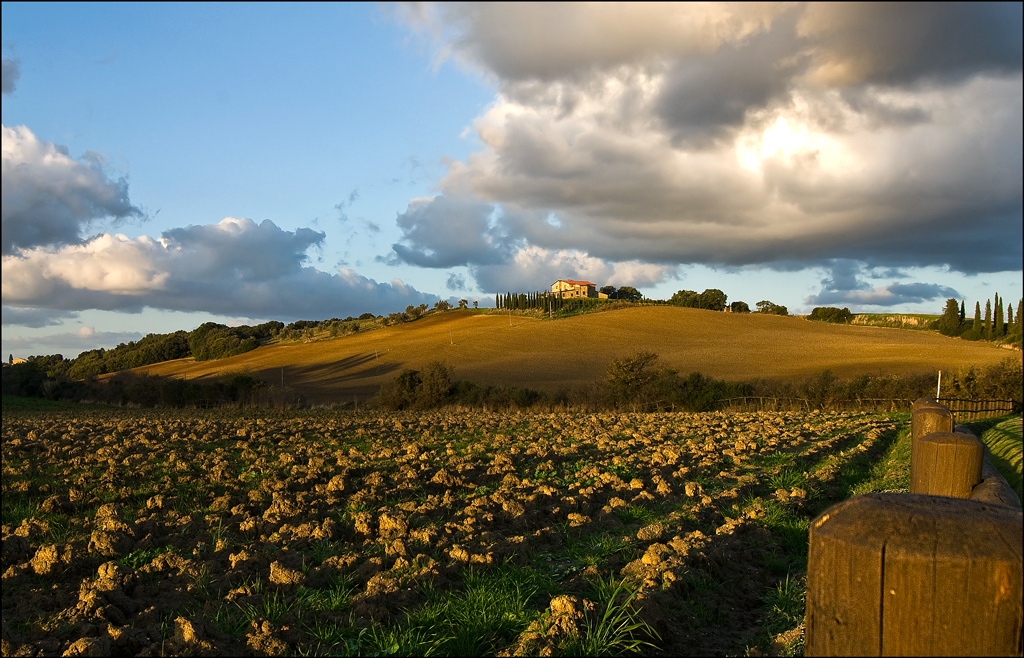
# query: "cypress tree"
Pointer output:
{"type": "Point", "coordinates": [962, 316]}
{"type": "Point", "coordinates": [988, 319]}
{"type": "Point", "coordinates": [1020, 311]}
{"type": "Point", "coordinates": [997, 329]}
{"type": "Point", "coordinates": [950, 320]}
{"type": "Point", "coordinates": [1009, 316]}
{"type": "Point", "coordinates": [977, 317]}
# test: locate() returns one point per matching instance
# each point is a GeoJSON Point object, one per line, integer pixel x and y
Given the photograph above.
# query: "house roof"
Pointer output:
{"type": "Point", "coordinates": [577, 283]}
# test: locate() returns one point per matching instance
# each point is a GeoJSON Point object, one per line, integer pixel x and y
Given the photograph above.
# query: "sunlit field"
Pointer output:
{"type": "Point", "coordinates": [545, 355]}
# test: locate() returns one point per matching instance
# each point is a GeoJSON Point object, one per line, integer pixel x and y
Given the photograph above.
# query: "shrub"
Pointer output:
{"type": "Point", "coordinates": [831, 314]}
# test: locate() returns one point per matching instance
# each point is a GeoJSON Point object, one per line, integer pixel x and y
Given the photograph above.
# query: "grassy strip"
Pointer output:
{"type": "Point", "coordinates": [1003, 437]}
{"type": "Point", "coordinates": [784, 605]}
{"type": "Point", "coordinates": [13, 403]}
{"type": "Point", "coordinates": [781, 632]}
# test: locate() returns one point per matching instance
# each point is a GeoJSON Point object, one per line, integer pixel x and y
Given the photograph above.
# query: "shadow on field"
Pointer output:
{"type": "Point", "coordinates": [351, 372]}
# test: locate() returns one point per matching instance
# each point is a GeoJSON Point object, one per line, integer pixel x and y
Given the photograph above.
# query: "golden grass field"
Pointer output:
{"type": "Point", "coordinates": [545, 355]}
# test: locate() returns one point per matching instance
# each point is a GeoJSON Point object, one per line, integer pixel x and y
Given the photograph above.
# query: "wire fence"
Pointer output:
{"type": "Point", "coordinates": [963, 410]}
{"type": "Point", "coordinates": [967, 410]}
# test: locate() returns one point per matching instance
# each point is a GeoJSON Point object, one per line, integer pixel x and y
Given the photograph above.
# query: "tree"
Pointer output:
{"type": "Point", "coordinates": [712, 299]}
{"type": "Point", "coordinates": [739, 307]}
{"type": "Point", "coordinates": [949, 323]}
{"type": "Point", "coordinates": [988, 319]}
{"type": "Point", "coordinates": [962, 311]}
{"type": "Point", "coordinates": [435, 385]}
{"type": "Point", "coordinates": [1016, 333]}
{"type": "Point", "coordinates": [765, 306]}
{"type": "Point", "coordinates": [463, 303]}
{"type": "Point", "coordinates": [609, 290]}
{"type": "Point", "coordinates": [629, 293]}
{"type": "Point", "coordinates": [833, 314]}
{"type": "Point", "coordinates": [977, 318]}
{"type": "Point", "coordinates": [476, 303]}
{"type": "Point", "coordinates": [631, 377]}
{"type": "Point", "coordinates": [997, 328]}
{"type": "Point", "coordinates": [685, 298]}
{"type": "Point", "coordinates": [442, 305]}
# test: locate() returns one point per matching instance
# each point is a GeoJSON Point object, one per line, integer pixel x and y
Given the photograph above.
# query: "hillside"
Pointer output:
{"type": "Point", "coordinates": [545, 355]}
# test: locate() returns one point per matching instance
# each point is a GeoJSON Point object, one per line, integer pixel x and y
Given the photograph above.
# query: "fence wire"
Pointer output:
{"type": "Point", "coordinates": [963, 410]}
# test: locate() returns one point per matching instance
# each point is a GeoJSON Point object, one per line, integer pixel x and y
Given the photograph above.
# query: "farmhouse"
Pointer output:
{"type": "Point", "coordinates": [571, 288]}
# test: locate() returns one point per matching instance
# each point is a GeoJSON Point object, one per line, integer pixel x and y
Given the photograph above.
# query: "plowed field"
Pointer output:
{"type": "Point", "coordinates": [316, 533]}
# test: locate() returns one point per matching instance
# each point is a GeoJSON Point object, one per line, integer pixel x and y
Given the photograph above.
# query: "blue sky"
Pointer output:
{"type": "Point", "coordinates": [371, 156]}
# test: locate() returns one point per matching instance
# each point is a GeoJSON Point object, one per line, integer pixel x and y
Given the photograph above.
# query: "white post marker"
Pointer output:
{"type": "Point", "coordinates": [938, 389]}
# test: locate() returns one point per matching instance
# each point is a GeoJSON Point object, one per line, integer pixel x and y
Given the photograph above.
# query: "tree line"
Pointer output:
{"type": "Point", "coordinates": [831, 314]}
{"type": "Point", "coordinates": [993, 326]}
{"type": "Point", "coordinates": [638, 382]}
{"type": "Point", "coordinates": [206, 342]}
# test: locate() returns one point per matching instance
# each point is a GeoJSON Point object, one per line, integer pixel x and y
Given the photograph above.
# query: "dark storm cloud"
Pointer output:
{"type": "Point", "coordinates": [705, 97]}
{"type": "Point", "coordinates": [34, 318]}
{"type": "Point", "coordinates": [901, 43]}
{"type": "Point", "coordinates": [736, 135]}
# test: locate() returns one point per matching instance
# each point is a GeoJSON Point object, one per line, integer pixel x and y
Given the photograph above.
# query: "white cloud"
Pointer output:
{"type": "Point", "coordinates": [234, 267]}
{"type": "Point", "coordinates": [732, 135]}
{"type": "Point", "coordinates": [49, 198]}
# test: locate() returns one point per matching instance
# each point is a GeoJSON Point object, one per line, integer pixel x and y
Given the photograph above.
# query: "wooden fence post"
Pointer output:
{"type": "Point", "coordinates": [946, 464]}
{"type": "Point", "coordinates": [911, 575]}
{"type": "Point", "coordinates": [929, 416]}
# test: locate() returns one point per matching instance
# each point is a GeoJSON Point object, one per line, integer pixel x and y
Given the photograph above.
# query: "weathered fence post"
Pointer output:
{"type": "Point", "coordinates": [946, 464]}
{"type": "Point", "coordinates": [929, 416]}
{"type": "Point", "coordinates": [911, 575]}
{"type": "Point", "coordinates": [926, 417]}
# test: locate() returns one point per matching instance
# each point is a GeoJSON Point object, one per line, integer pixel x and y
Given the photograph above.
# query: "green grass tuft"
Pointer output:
{"type": "Point", "coordinates": [619, 629]}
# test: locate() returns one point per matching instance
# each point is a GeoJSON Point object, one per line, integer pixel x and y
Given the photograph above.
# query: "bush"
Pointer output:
{"type": "Point", "coordinates": [831, 314]}
{"type": "Point", "coordinates": [630, 378]}
{"type": "Point", "coordinates": [771, 308]}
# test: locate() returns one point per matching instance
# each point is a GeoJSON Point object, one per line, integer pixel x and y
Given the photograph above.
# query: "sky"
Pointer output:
{"type": "Point", "coordinates": [166, 165]}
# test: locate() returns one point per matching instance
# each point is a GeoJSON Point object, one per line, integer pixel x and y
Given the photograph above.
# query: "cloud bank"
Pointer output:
{"type": "Point", "coordinates": [235, 267]}
{"type": "Point", "coordinates": [730, 135]}
{"type": "Point", "coordinates": [69, 344]}
{"type": "Point", "coordinates": [845, 285]}
{"type": "Point", "coordinates": [50, 198]}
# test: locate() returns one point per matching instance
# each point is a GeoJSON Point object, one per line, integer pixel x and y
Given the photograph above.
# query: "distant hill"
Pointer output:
{"type": "Point", "coordinates": [545, 355]}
